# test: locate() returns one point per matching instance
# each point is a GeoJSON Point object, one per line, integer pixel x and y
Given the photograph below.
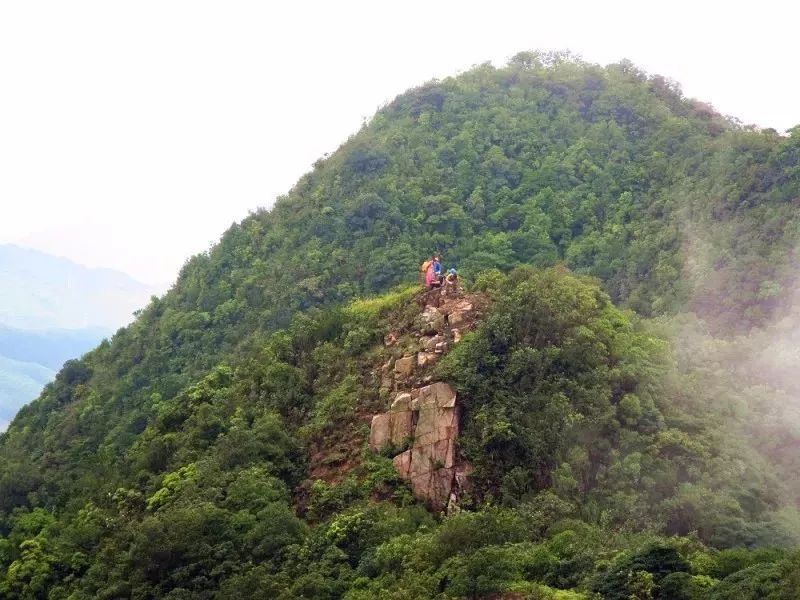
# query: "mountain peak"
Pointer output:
{"type": "Point", "coordinates": [616, 436]}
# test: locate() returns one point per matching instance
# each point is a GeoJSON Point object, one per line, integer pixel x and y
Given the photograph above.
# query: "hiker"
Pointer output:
{"type": "Point", "coordinates": [437, 269]}
{"type": "Point", "coordinates": [451, 283]}
{"type": "Point", "coordinates": [432, 270]}
{"type": "Point", "coordinates": [423, 271]}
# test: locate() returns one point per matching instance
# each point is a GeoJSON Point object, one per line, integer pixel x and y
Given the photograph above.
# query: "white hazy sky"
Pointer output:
{"type": "Point", "coordinates": [133, 133]}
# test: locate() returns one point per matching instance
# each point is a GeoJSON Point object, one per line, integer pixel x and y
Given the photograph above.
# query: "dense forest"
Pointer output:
{"type": "Point", "coordinates": [629, 401]}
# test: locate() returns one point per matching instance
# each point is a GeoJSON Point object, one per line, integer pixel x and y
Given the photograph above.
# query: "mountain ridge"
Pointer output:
{"type": "Point", "coordinates": [603, 464]}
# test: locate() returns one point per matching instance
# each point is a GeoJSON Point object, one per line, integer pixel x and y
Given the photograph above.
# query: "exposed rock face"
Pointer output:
{"type": "Point", "coordinates": [395, 428]}
{"type": "Point", "coordinates": [422, 424]}
{"type": "Point", "coordinates": [402, 402]}
{"type": "Point", "coordinates": [430, 417]}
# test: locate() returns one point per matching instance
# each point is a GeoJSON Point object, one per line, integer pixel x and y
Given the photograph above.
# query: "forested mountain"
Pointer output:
{"type": "Point", "coordinates": [629, 412]}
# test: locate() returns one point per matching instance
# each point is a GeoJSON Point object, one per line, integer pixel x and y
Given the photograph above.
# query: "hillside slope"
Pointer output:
{"type": "Point", "coordinates": [192, 432]}
{"type": "Point", "coordinates": [588, 449]}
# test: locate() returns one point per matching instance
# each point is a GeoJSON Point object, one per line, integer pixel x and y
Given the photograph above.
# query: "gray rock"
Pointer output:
{"type": "Point", "coordinates": [431, 321]}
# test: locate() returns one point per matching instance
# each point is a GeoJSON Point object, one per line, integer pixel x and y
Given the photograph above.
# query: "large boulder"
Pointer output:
{"type": "Point", "coordinates": [455, 318]}
{"type": "Point", "coordinates": [391, 430]}
{"type": "Point", "coordinates": [457, 312]}
{"type": "Point", "coordinates": [429, 343]}
{"type": "Point", "coordinates": [401, 424]}
{"type": "Point", "coordinates": [431, 321]}
{"type": "Point", "coordinates": [439, 394]}
{"type": "Point", "coordinates": [402, 420]}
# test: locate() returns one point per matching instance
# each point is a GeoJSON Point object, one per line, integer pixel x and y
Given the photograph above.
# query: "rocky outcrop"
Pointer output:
{"type": "Point", "coordinates": [395, 428]}
{"type": "Point", "coordinates": [426, 420]}
{"type": "Point", "coordinates": [422, 425]}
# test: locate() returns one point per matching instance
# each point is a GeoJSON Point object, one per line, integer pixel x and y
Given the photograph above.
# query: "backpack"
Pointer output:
{"type": "Point", "coordinates": [425, 266]}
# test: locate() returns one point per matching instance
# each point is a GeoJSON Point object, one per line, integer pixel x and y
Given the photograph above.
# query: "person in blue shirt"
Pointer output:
{"type": "Point", "coordinates": [437, 267]}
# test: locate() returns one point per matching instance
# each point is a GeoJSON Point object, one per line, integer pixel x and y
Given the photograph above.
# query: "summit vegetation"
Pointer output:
{"type": "Point", "coordinates": [629, 406]}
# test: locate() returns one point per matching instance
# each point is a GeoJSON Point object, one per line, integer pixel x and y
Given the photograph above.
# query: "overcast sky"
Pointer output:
{"type": "Point", "coordinates": [133, 133]}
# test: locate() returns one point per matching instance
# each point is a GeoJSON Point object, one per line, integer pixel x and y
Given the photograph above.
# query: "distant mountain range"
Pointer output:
{"type": "Point", "coordinates": [49, 348]}
{"type": "Point", "coordinates": [40, 291]}
{"type": "Point", "coordinates": [51, 310]}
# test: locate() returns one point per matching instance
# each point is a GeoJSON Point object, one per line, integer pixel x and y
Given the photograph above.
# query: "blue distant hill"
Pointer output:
{"type": "Point", "coordinates": [49, 348]}
{"type": "Point", "coordinates": [20, 382]}
{"type": "Point", "coordinates": [52, 310]}
{"type": "Point", "coordinates": [43, 292]}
